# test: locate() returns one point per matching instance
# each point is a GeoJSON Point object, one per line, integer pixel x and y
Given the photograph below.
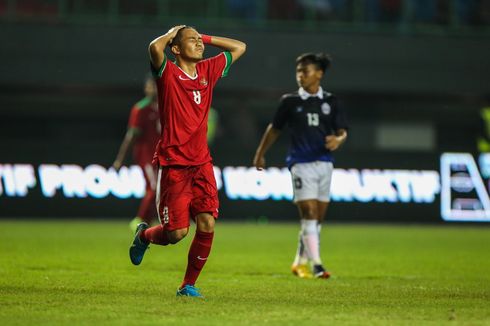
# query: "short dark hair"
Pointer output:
{"type": "Point", "coordinates": [178, 37]}
{"type": "Point", "coordinates": [320, 60]}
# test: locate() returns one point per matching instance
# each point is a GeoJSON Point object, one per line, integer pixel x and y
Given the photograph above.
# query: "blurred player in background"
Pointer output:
{"type": "Point", "coordinates": [186, 187]}
{"type": "Point", "coordinates": [142, 136]}
{"type": "Point", "coordinates": [213, 121]}
{"type": "Point", "coordinates": [318, 127]}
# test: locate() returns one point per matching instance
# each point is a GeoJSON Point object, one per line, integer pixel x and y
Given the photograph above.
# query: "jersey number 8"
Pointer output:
{"type": "Point", "coordinates": [197, 97]}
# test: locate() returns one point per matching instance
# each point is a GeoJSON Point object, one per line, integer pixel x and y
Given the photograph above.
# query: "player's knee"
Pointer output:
{"type": "Point", "coordinates": [205, 222]}
{"type": "Point", "coordinates": [309, 213]}
{"type": "Point", "coordinates": [177, 235]}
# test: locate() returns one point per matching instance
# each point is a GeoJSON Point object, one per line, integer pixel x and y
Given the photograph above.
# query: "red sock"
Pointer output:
{"type": "Point", "coordinates": [155, 235]}
{"type": "Point", "coordinates": [198, 255]}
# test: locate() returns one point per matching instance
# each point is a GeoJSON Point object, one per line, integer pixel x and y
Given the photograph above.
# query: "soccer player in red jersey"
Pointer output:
{"type": "Point", "coordinates": [142, 136]}
{"type": "Point", "coordinates": [186, 187]}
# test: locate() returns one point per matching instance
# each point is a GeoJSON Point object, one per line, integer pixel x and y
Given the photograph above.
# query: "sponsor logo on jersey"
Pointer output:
{"type": "Point", "coordinates": [299, 109]}
{"type": "Point", "coordinates": [325, 108]}
{"type": "Point", "coordinates": [203, 81]}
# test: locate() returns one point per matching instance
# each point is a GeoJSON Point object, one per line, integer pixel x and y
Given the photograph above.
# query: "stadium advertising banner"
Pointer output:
{"type": "Point", "coordinates": [457, 192]}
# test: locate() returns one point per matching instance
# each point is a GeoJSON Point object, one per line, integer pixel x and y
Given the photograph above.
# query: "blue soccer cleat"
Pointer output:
{"type": "Point", "coordinates": [189, 291]}
{"type": "Point", "coordinates": [138, 248]}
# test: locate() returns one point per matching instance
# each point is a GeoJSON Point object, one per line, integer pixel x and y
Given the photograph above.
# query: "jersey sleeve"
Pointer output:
{"type": "Point", "coordinates": [157, 73]}
{"type": "Point", "coordinates": [220, 65]}
{"type": "Point", "coordinates": [340, 118]}
{"type": "Point", "coordinates": [282, 114]}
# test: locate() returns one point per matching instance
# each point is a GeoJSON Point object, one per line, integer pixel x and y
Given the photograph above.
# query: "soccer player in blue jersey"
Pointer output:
{"type": "Point", "coordinates": [318, 127]}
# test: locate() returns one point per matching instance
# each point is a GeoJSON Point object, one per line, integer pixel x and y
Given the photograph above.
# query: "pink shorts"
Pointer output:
{"type": "Point", "coordinates": [184, 192]}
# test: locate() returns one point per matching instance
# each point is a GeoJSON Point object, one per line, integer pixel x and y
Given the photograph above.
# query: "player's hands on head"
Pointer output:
{"type": "Point", "coordinates": [259, 162]}
{"type": "Point", "coordinates": [173, 31]}
{"type": "Point", "coordinates": [332, 142]}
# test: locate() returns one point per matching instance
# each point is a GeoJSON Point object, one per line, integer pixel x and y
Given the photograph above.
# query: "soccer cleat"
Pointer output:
{"type": "Point", "coordinates": [138, 248]}
{"type": "Point", "coordinates": [133, 225]}
{"type": "Point", "coordinates": [189, 291]}
{"type": "Point", "coordinates": [301, 270]}
{"type": "Point", "coordinates": [320, 272]}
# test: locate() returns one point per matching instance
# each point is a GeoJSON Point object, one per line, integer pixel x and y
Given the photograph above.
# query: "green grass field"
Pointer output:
{"type": "Point", "coordinates": [63, 272]}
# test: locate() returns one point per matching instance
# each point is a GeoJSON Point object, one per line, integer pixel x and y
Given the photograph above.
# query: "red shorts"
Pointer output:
{"type": "Point", "coordinates": [184, 192]}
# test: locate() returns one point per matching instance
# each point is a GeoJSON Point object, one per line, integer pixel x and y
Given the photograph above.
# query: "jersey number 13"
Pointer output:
{"type": "Point", "coordinates": [313, 119]}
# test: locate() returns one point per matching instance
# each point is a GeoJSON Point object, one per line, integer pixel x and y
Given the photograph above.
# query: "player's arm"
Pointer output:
{"type": "Point", "coordinates": [235, 47]}
{"type": "Point", "coordinates": [270, 136]}
{"type": "Point", "coordinates": [127, 143]}
{"type": "Point", "coordinates": [332, 142]}
{"type": "Point", "coordinates": [156, 49]}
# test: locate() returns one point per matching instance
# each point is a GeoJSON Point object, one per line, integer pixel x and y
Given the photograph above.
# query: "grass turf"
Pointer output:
{"type": "Point", "coordinates": [78, 272]}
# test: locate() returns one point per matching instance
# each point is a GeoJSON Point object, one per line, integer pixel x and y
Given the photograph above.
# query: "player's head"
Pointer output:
{"type": "Point", "coordinates": [150, 87]}
{"type": "Point", "coordinates": [310, 68]}
{"type": "Point", "coordinates": [187, 44]}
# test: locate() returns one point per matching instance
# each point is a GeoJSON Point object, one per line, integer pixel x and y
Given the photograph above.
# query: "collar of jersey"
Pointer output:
{"type": "Point", "coordinates": [193, 78]}
{"type": "Point", "coordinates": [305, 95]}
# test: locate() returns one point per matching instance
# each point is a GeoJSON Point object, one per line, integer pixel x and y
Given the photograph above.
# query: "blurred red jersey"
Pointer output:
{"type": "Point", "coordinates": [144, 118]}
{"type": "Point", "coordinates": [184, 103]}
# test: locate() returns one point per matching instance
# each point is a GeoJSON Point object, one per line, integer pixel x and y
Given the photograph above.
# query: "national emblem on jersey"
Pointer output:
{"type": "Point", "coordinates": [326, 108]}
{"type": "Point", "coordinates": [203, 81]}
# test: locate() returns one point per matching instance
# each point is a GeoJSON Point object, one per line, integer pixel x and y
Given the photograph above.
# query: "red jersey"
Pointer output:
{"type": "Point", "coordinates": [184, 103]}
{"type": "Point", "coordinates": [144, 118]}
